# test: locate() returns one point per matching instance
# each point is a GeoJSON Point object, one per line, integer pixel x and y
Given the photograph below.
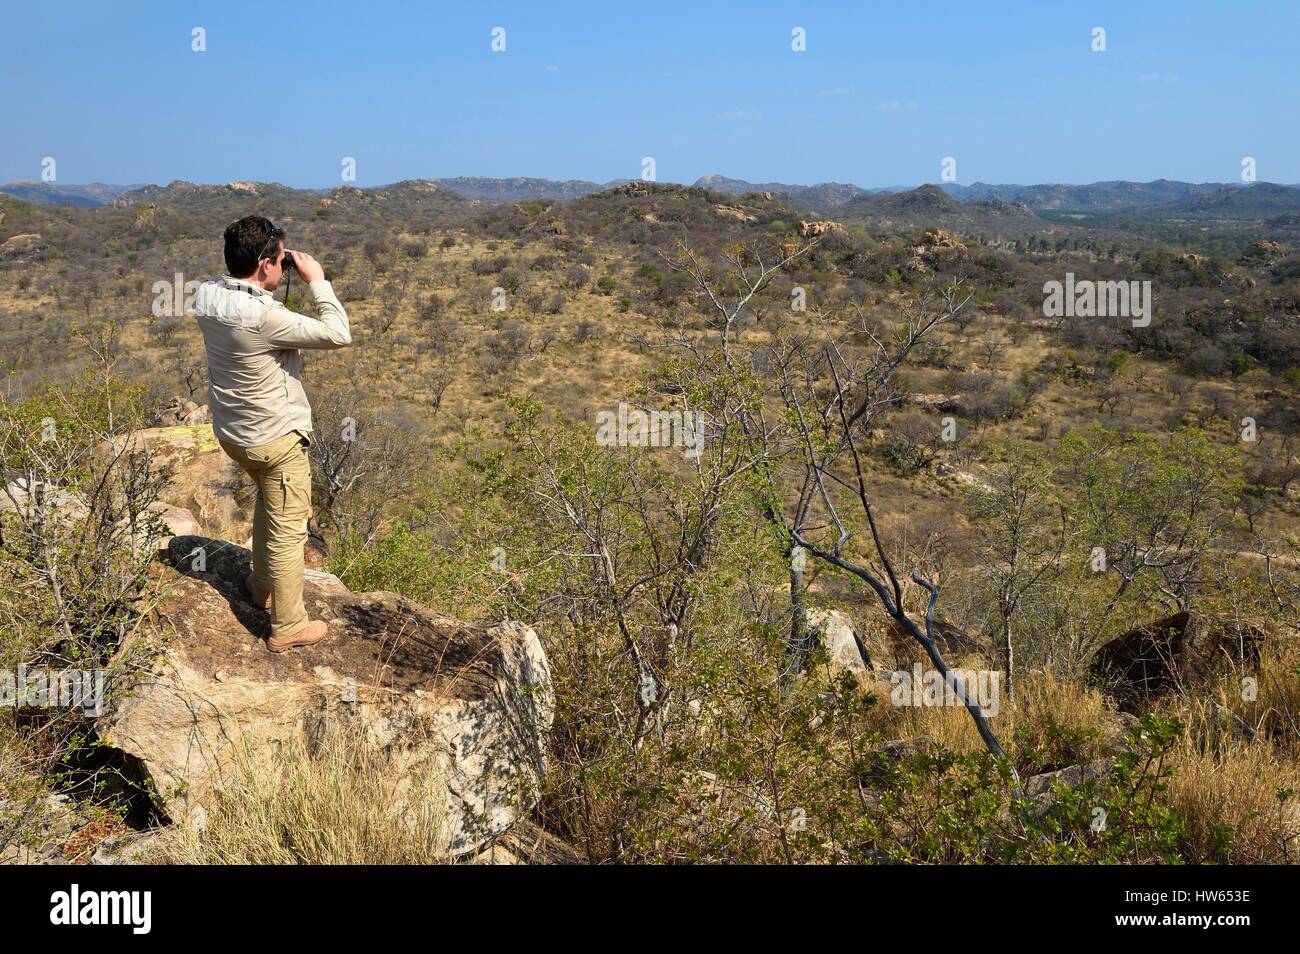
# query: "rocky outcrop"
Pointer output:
{"type": "Point", "coordinates": [1156, 659]}
{"type": "Point", "coordinates": [202, 479]}
{"type": "Point", "coordinates": [177, 521]}
{"type": "Point", "coordinates": [939, 403]}
{"type": "Point", "coordinates": [934, 247]}
{"type": "Point", "coordinates": [18, 245]}
{"type": "Point", "coordinates": [49, 825]}
{"type": "Point", "coordinates": [65, 508]}
{"type": "Point", "coordinates": [130, 848]}
{"type": "Point", "coordinates": [899, 650]}
{"type": "Point", "coordinates": [22, 498]}
{"type": "Point", "coordinates": [872, 651]}
{"type": "Point", "coordinates": [1041, 789]}
{"type": "Point", "coordinates": [815, 229]}
{"type": "Point", "coordinates": [470, 702]}
{"type": "Point", "coordinates": [181, 412]}
{"type": "Point", "coordinates": [1262, 254]}
{"type": "Point", "coordinates": [962, 477]}
{"type": "Point", "coordinates": [842, 641]}
{"type": "Point", "coordinates": [737, 212]}
{"type": "Point", "coordinates": [935, 238]}
{"type": "Point", "coordinates": [205, 488]}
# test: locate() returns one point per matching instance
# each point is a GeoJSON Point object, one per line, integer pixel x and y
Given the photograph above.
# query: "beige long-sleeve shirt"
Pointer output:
{"type": "Point", "coordinates": [254, 363]}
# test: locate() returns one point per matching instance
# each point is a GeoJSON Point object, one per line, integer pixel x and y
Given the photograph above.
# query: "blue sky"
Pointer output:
{"type": "Point", "coordinates": [1012, 91]}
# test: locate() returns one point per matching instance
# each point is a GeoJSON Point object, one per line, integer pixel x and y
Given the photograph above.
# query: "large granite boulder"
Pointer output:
{"type": "Point", "coordinates": [202, 479]}
{"type": "Point", "coordinates": [473, 702]}
{"type": "Point", "coordinates": [842, 641]}
{"type": "Point", "coordinates": [881, 648]}
{"type": "Point", "coordinates": [65, 509]}
{"type": "Point", "coordinates": [21, 498]}
{"type": "Point", "coordinates": [16, 246]}
{"type": "Point", "coordinates": [1158, 658]}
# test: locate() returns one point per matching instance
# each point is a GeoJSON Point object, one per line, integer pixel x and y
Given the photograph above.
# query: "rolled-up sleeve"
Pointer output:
{"type": "Point", "coordinates": [285, 329]}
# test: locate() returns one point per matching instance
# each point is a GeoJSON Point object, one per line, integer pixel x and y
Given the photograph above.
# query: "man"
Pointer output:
{"type": "Point", "coordinates": [259, 410]}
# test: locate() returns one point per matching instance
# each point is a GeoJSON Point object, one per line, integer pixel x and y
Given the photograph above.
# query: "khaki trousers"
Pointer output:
{"type": "Point", "coordinates": [282, 473]}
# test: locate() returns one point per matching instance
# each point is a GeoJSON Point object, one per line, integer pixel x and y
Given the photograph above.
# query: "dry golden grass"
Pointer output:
{"type": "Point", "coordinates": [333, 803]}
{"type": "Point", "coordinates": [1227, 797]}
{"type": "Point", "coordinates": [1043, 703]}
{"type": "Point", "coordinates": [20, 771]}
{"type": "Point", "coordinates": [1275, 709]}
{"type": "Point", "coordinates": [1044, 699]}
{"type": "Point", "coordinates": [1224, 788]}
{"type": "Point", "coordinates": [1238, 754]}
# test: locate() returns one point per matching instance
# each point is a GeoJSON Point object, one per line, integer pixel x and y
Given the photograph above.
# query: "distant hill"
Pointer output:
{"type": "Point", "coordinates": [1222, 216]}
{"type": "Point", "coordinates": [930, 205]}
{"type": "Point", "coordinates": [480, 188]}
{"type": "Point", "coordinates": [181, 206]}
{"type": "Point", "coordinates": [927, 201]}
{"type": "Point", "coordinates": [476, 188]}
{"type": "Point", "coordinates": [203, 196]}
{"type": "Point", "coordinates": [1260, 201]}
{"type": "Point", "coordinates": [644, 218]}
{"type": "Point", "coordinates": [1231, 214]}
{"type": "Point", "coordinates": [822, 197]}
{"type": "Point", "coordinates": [272, 194]}
{"type": "Point", "coordinates": [1094, 197]}
{"type": "Point", "coordinates": [91, 196]}
{"type": "Point", "coordinates": [500, 191]}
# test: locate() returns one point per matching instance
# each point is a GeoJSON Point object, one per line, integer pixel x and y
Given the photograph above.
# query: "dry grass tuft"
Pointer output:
{"type": "Point", "coordinates": [1228, 801]}
{"type": "Point", "coordinates": [1046, 707]}
{"type": "Point", "coordinates": [335, 802]}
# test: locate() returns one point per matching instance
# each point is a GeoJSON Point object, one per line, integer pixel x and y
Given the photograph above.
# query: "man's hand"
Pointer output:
{"type": "Point", "coordinates": [306, 266]}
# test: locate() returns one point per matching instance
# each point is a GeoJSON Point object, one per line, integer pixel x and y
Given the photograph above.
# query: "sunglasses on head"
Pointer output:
{"type": "Point", "coordinates": [276, 234]}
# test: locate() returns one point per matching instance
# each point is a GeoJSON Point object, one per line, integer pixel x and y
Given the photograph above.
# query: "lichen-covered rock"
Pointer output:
{"type": "Point", "coordinates": [203, 480]}
{"type": "Point", "coordinates": [472, 702]}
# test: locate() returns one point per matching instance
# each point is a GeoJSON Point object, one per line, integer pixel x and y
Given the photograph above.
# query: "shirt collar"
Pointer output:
{"type": "Point", "coordinates": [246, 285]}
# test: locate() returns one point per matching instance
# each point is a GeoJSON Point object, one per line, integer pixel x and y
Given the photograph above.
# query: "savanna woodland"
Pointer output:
{"type": "Point", "coordinates": [883, 460]}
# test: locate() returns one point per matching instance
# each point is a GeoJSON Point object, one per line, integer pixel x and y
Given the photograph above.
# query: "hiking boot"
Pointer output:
{"type": "Point", "coordinates": [309, 635]}
{"type": "Point", "coordinates": [255, 597]}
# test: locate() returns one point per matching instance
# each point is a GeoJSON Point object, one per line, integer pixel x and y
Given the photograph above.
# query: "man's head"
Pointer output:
{"type": "Point", "coordinates": [255, 251]}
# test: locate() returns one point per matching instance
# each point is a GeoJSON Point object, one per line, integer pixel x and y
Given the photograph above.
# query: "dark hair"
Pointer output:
{"type": "Point", "coordinates": [248, 241]}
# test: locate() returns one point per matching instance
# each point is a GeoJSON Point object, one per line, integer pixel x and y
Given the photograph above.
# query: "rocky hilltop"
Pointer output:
{"type": "Point", "coordinates": [467, 704]}
{"type": "Point", "coordinates": [470, 700]}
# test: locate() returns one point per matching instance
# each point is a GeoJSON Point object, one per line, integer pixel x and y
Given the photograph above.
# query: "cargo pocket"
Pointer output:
{"type": "Point", "coordinates": [297, 495]}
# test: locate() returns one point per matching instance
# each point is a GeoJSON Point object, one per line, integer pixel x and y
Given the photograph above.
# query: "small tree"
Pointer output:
{"type": "Point", "coordinates": [1021, 537]}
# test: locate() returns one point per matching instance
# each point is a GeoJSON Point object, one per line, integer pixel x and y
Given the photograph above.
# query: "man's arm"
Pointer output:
{"type": "Point", "coordinates": [284, 329]}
